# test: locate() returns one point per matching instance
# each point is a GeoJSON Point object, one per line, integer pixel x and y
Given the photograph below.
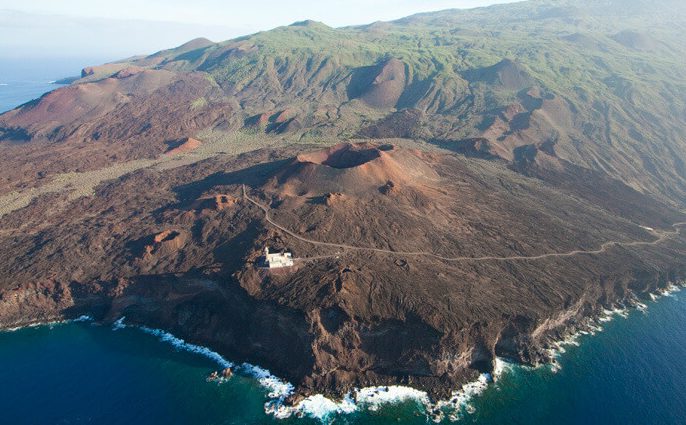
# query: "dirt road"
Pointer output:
{"type": "Point", "coordinates": [661, 237]}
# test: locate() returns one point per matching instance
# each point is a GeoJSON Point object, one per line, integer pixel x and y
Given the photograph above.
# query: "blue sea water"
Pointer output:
{"type": "Point", "coordinates": [633, 372]}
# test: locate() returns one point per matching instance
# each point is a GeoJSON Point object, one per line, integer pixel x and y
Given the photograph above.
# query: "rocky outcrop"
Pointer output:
{"type": "Point", "coordinates": [167, 243]}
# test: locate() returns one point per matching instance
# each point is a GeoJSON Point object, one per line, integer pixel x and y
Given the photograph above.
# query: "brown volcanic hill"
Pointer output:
{"type": "Point", "coordinates": [426, 199]}
{"type": "Point", "coordinates": [458, 259]}
{"type": "Point", "coordinates": [636, 40]}
{"type": "Point", "coordinates": [360, 167]}
{"type": "Point", "coordinates": [99, 124]}
{"type": "Point", "coordinates": [183, 146]}
{"type": "Point", "coordinates": [379, 86]}
{"type": "Point", "coordinates": [83, 102]}
{"type": "Point", "coordinates": [506, 74]}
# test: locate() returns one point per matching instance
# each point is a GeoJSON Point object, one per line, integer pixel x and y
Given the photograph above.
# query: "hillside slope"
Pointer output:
{"type": "Point", "coordinates": [597, 84]}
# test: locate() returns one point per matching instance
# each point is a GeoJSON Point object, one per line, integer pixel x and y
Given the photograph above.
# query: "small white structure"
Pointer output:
{"type": "Point", "coordinates": [279, 260]}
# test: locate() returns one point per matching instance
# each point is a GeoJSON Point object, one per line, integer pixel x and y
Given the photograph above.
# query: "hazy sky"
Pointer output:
{"type": "Point", "coordinates": [55, 28]}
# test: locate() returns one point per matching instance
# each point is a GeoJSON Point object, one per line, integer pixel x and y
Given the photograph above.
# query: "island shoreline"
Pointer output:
{"type": "Point", "coordinates": [283, 400]}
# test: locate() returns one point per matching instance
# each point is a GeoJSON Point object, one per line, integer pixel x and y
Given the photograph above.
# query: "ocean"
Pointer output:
{"type": "Point", "coordinates": [22, 80]}
{"type": "Point", "coordinates": [631, 372]}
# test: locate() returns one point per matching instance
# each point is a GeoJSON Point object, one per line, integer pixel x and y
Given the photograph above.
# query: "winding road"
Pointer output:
{"type": "Point", "coordinates": [662, 236]}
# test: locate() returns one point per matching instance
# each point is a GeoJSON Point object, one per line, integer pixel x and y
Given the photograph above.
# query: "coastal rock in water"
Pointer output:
{"type": "Point", "coordinates": [227, 373]}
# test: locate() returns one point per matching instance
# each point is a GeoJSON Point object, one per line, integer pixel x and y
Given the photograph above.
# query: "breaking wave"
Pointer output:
{"type": "Point", "coordinates": [323, 408]}
{"type": "Point", "coordinates": [180, 344]}
{"type": "Point", "coordinates": [277, 389]}
{"type": "Point", "coordinates": [374, 398]}
{"type": "Point", "coordinates": [82, 318]}
{"type": "Point", "coordinates": [593, 326]}
{"type": "Point", "coordinates": [118, 324]}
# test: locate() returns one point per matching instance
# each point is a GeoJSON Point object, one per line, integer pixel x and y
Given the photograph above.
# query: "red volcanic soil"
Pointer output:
{"type": "Point", "coordinates": [185, 146]}
{"type": "Point", "coordinates": [354, 168]}
{"type": "Point", "coordinates": [128, 72]}
{"type": "Point", "coordinates": [87, 101]}
{"type": "Point", "coordinates": [283, 116]}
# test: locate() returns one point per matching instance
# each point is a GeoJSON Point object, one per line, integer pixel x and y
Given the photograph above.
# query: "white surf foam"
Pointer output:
{"type": "Point", "coordinates": [454, 408]}
{"type": "Point", "coordinates": [670, 290]}
{"type": "Point", "coordinates": [369, 398]}
{"type": "Point", "coordinates": [180, 344]}
{"type": "Point", "coordinates": [323, 408]}
{"type": "Point", "coordinates": [278, 388]}
{"type": "Point", "coordinates": [503, 366]}
{"type": "Point", "coordinates": [373, 398]}
{"type": "Point", "coordinates": [460, 400]}
{"type": "Point", "coordinates": [119, 324]}
{"type": "Point", "coordinates": [594, 326]}
{"type": "Point", "coordinates": [82, 318]}
{"type": "Point", "coordinates": [318, 407]}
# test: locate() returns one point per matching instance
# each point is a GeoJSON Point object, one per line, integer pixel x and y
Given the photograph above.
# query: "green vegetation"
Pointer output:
{"type": "Point", "coordinates": [599, 84]}
{"type": "Point", "coordinates": [199, 103]}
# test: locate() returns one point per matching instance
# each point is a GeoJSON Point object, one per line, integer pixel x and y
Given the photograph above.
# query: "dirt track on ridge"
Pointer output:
{"type": "Point", "coordinates": [661, 237]}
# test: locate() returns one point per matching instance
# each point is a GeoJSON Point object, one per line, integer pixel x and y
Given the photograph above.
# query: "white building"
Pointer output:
{"type": "Point", "coordinates": [279, 260]}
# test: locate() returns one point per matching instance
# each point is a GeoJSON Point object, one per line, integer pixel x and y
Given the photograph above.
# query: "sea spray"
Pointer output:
{"type": "Point", "coordinates": [373, 398]}
{"type": "Point", "coordinates": [180, 344]}
{"type": "Point", "coordinates": [119, 324]}
{"type": "Point", "coordinates": [82, 318]}
{"type": "Point", "coordinates": [278, 390]}
{"type": "Point", "coordinates": [321, 407]}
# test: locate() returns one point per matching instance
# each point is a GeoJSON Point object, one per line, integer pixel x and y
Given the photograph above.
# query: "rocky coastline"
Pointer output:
{"type": "Point", "coordinates": [540, 347]}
